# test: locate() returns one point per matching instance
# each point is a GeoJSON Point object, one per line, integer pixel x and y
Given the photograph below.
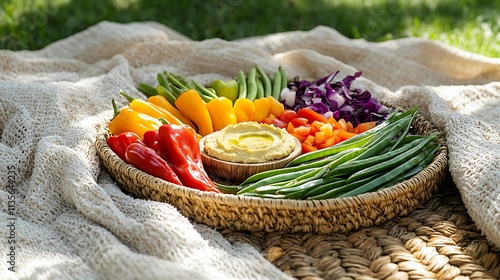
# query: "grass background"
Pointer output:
{"type": "Point", "coordinates": [469, 25]}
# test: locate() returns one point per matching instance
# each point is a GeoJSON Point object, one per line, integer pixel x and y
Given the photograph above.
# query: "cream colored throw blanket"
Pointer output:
{"type": "Point", "coordinates": [63, 217]}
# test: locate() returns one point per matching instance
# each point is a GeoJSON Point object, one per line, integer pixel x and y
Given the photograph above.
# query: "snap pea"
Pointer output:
{"type": "Point", "coordinates": [266, 82]}
{"type": "Point", "coordinates": [260, 89]}
{"type": "Point", "coordinates": [169, 95]}
{"type": "Point", "coordinates": [176, 82]}
{"type": "Point", "coordinates": [242, 85]}
{"type": "Point", "coordinates": [277, 86]}
{"type": "Point", "coordinates": [162, 81]}
{"type": "Point", "coordinates": [389, 176]}
{"type": "Point", "coordinates": [203, 90]}
{"type": "Point", "coordinates": [284, 80]}
{"type": "Point", "coordinates": [397, 160]}
{"type": "Point", "coordinates": [147, 89]}
{"type": "Point", "coordinates": [252, 84]}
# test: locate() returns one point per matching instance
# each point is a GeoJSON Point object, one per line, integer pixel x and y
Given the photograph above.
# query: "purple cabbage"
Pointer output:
{"type": "Point", "coordinates": [334, 97]}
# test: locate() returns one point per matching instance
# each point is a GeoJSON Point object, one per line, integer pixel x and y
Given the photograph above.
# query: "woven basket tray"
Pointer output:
{"type": "Point", "coordinates": [226, 211]}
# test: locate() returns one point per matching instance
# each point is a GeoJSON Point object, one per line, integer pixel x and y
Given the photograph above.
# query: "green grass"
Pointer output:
{"type": "Point", "coordinates": [469, 25]}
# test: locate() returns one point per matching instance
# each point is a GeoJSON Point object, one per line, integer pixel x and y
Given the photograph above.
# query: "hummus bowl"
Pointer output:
{"type": "Point", "coordinates": [246, 213]}
{"type": "Point", "coordinates": [237, 172]}
{"type": "Point", "coordinates": [241, 150]}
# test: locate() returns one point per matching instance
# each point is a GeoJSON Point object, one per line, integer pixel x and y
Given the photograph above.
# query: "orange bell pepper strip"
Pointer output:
{"type": "Point", "coordinates": [163, 102]}
{"type": "Point", "coordinates": [127, 119]}
{"type": "Point", "coordinates": [192, 106]}
{"type": "Point", "coordinates": [221, 112]}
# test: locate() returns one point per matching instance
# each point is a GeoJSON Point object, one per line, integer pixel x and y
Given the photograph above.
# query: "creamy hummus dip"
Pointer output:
{"type": "Point", "coordinates": [249, 142]}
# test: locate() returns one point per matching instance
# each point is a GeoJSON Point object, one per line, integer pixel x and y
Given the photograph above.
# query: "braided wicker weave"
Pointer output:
{"type": "Point", "coordinates": [240, 213]}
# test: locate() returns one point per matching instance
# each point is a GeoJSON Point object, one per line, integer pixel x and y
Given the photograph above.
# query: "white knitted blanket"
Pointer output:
{"type": "Point", "coordinates": [63, 217]}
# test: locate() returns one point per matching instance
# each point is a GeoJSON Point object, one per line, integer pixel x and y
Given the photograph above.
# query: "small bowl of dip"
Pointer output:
{"type": "Point", "coordinates": [241, 150]}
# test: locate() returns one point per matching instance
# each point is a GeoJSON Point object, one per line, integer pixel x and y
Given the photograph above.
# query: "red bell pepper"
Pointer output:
{"type": "Point", "coordinates": [147, 160]}
{"type": "Point", "coordinates": [119, 143]}
{"type": "Point", "coordinates": [182, 152]}
{"type": "Point", "coordinates": [152, 140]}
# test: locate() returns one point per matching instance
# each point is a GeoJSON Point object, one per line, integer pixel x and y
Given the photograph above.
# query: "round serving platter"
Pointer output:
{"type": "Point", "coordinates": [244, 213]}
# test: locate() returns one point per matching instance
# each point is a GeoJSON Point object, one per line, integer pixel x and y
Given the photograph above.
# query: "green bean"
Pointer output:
{"type": "Point", "coordinates": [332, 150]}
{"type": "Point", "coordinates": [284, 170]}
{"type": "Point", "coordinates": [314, 174]}
{"type": "Point", "coordinates": [316, 187]}
{"type": "Point", "coordinates": [252, 84]}
{"type": "Point", "coordinates": [277, 86]}
{"type": "Point", "coordinates": [266, 195]}
{"type": "Point", "coordinates": [355, 165]}
{"type": "Point", "coordinates": [147, 89]}
{"type": "Point", "coordinates": [408, 112]}
{"type": "Point", "coordinates": [227, 189]}
{"type": "Point", "coordinates": [242, 85]}
{"type": "Point", "coordinates": [355, 141]}
{"type": "Point", "coordinates": [405, 139]}
{"type": "Point", "coordinates": [384, 139]}
{"type": "Point", "coordinates": [308, 186]}
{"type": "Point", "coordinates": [358, 140]}
{"type": "Point", "coordinates": [282, 177]}
{"type": "Point", "coordinates": [327, 193]}
{"type": "Point", "coordinates": [397, 160]}
{"type": "Point", "coordinates": [407, 175]}
{"type": "Point", "coordinates": [265, 81]}
{"type": "Point", "coordinates": [260, 88]}
{"type": "Point", "coordinates": [389, 176]}
{"type": "Point", "coordinates": [354, 153]}
{"type": "Point", "coordinates": [404, 133]}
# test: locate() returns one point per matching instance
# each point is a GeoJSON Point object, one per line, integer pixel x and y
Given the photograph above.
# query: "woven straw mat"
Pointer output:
{"type": "Point", "coordinates": [438, 240]}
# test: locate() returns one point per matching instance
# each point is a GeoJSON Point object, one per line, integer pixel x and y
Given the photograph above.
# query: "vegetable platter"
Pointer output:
{"type": "Point", "coordinates": [362, 161]}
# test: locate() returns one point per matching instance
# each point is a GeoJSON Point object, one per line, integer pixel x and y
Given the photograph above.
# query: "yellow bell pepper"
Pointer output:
{"type": "Point", "coordinates": [163, 102]}
{"type": "Point", "coordinates": [243, 109]}
{"type": "Point", "coordinates": [221, 112]}
{"type": "Point", "coordinates": [127, 119]}
{"type": "Point", "coordinates": [150, 109]}
{"type": "Point", "coordinates": [262, 106]}
{"type": "Point", "coordinates": [192, 106]}
{"type": "Point", "coordinates": [276, 107]}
